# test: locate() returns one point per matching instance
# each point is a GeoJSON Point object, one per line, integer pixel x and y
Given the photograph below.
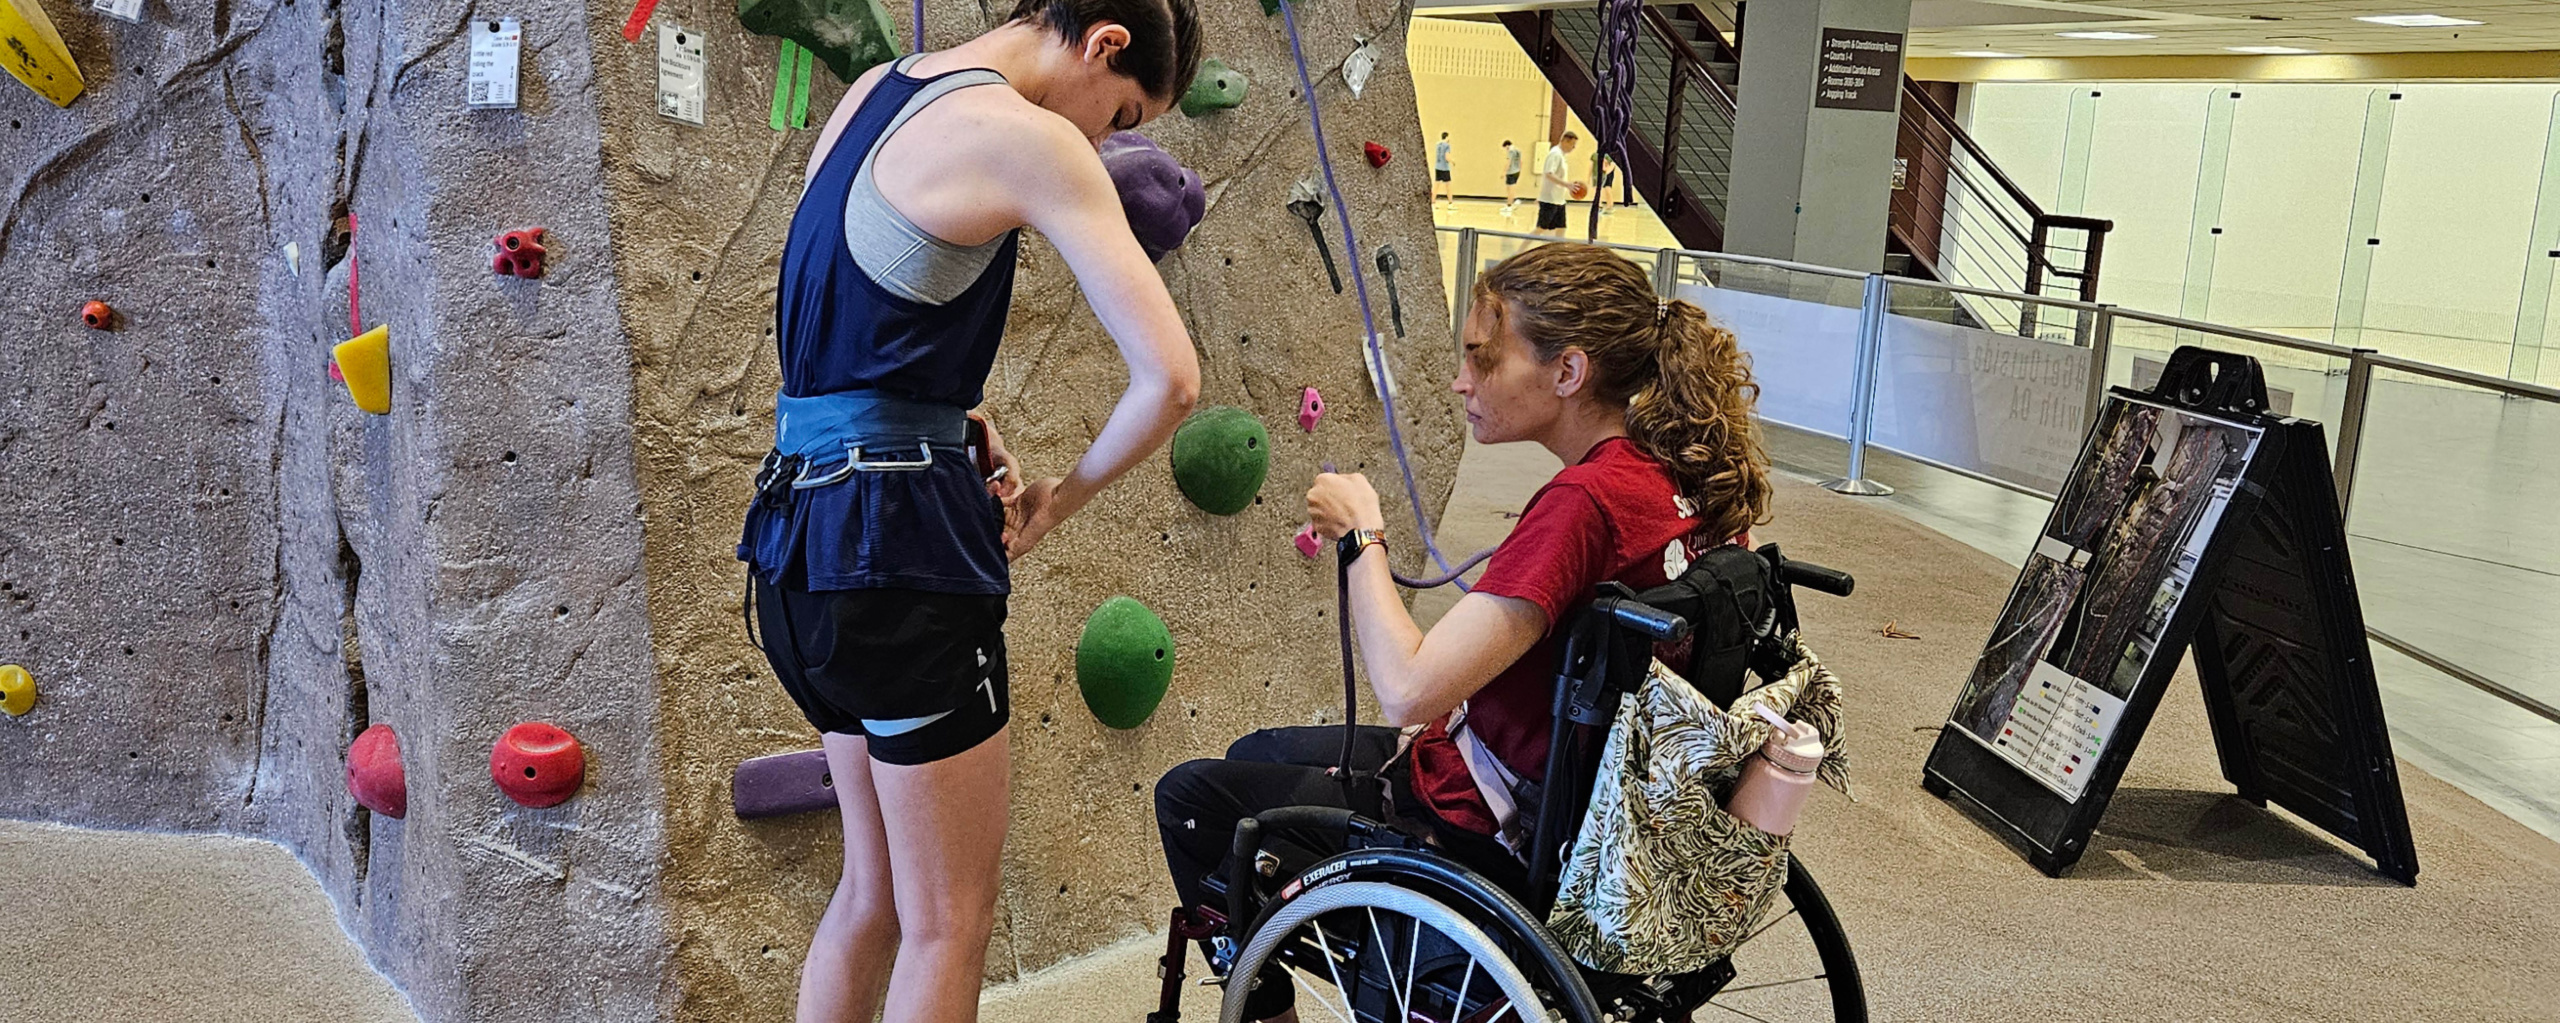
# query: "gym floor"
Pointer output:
{"type": "Point", "coordinates": [2191, 904]}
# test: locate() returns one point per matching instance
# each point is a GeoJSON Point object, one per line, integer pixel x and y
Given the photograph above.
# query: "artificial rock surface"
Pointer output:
{"type": "Point", "coordinates": [222, 571]}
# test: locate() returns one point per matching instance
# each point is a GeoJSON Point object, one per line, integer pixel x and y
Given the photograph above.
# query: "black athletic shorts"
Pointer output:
{"type": "Point", "coordinates": [920, 675]}
{"type": "Point", "coordinates": [1440, 175]}
{"type": "Point", "coordinates": [1550, 216]}
{"type": "Point", "coordinates": [1512, 178]}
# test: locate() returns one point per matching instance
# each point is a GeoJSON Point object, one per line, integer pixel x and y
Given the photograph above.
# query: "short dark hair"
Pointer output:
{"type": "Point", "coordinates": [1506, 142]}
{"type": "Point", "coordinates": [1571, 135]}
{"type": "Point", "coordinates": [1164, 36]}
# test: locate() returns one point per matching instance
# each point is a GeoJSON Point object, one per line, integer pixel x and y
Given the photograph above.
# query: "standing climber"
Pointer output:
{"type": "Point", "coordinates": [879, 549]}
{"type": "Point", "coordinates": [1440, 173]}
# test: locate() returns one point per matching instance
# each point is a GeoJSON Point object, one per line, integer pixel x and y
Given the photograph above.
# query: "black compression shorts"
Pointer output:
{"type": "Point", "coordinates": [920, 675]}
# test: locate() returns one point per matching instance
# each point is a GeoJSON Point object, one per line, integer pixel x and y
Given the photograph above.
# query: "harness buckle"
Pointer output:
{"type": "Point", "coordinates": [854, 462]}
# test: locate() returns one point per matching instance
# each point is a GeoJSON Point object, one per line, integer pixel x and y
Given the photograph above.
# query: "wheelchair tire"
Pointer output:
{"type": "Point", "coordinates": [1484, 953]}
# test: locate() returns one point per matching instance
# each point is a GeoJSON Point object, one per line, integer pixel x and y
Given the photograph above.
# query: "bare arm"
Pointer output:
{"type": "Point", "coordinates": [1063, 192]}
{"type": "Point", "coordinates": [1418, 676]}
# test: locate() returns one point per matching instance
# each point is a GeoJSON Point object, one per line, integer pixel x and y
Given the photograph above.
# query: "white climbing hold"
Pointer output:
{"type": "Point", "coordinates": [1356, 68]}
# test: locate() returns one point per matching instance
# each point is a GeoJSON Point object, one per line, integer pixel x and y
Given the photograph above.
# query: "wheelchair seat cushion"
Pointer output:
{"type": "Point", "coordinates": [1661, 879]}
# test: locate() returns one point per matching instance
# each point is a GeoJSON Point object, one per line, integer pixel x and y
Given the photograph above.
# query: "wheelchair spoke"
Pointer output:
{"type": "Point", "coordinates": [1332, 967]}
{"type": "Point", "coordinates": [1735, 1011]}
{"type": "Point", "coordinates": [1775, 983]}
{"type": "Point", "coordinates": [1387, 956]}
{"type": "Point", "coordinates": [1301, 981]}
{"type": "Point", "coordinates": [1459, 1008]}
{"type": "Point", "coordinates": [1764, 928]}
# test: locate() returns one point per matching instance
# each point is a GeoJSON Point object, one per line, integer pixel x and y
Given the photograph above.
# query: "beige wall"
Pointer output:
{"type": "Point", "coordinates": [1471, 79]}
{"type": "Point", "coordinates": [2463, 173]}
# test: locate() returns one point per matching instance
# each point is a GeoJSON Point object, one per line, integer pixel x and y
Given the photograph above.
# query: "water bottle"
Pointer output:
{"type": "Point", "coordinates": [1774, 784]}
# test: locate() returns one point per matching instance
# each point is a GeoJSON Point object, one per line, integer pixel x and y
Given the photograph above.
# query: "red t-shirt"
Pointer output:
{"type": "Point", "coordinates": [1614, 516]}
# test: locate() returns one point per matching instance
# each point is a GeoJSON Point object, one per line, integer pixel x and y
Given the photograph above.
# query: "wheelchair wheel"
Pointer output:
{"type": "Point", "coordinates": [1371, 952]}
{"type": "Point", "coordinates": [1797, 966]}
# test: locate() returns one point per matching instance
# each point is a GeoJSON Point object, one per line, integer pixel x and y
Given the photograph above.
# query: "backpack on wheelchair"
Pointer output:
{"type": "Point", "coordinates": [1396, 930]}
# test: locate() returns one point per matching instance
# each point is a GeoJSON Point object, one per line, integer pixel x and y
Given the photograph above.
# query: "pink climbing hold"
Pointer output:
{"type": "Point", "coordinates": [374, 774]}
{"type": "Point", "coordinates": [334, 373]}
{"type": "Point", "coordinates": [1307, 541]}
{"type": "Point", "coordinates": [1310, 409]}
{"type": "Point", "coordinates": [538, 764]}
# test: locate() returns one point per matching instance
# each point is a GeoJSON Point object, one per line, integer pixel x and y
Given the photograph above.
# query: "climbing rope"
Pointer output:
{"type": "Point", "coordinates": [1613, 96]}
{"type": "Point", "coordinates": [1375, 353]}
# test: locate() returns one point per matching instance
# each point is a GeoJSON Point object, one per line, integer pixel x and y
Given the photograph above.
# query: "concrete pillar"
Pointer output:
{"type": "Point", "coordinates": [1812, 172]}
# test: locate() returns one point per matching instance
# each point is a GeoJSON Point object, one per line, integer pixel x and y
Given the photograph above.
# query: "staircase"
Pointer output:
{"type": "Point", "coordinates": [1955, 217]}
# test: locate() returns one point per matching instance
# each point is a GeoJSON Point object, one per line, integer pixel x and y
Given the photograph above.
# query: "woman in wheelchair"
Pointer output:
{"type": "Point", "coordinates": [1649, 405]}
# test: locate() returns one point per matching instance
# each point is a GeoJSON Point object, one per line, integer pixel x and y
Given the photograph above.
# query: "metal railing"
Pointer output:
{"type": "Point", "coordinates": [2339, 381]}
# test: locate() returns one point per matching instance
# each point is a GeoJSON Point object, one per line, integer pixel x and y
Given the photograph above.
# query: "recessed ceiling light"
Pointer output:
{"type": "Point", "coordinates": [2268, 49]}
{"type": "Point", "coordinates": [2416, 20]}
{"type": "Point", "coordinates": [1983, 53]}
{"type": "Point", "coordinates": [2105, 35]}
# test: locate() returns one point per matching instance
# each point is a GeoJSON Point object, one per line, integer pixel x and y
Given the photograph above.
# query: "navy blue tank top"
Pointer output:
{"type": "Point", "coordinates": [837, 329]}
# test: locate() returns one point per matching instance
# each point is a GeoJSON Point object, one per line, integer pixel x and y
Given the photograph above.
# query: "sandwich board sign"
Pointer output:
{"type": "Point", "coordinates": [2193, 520]}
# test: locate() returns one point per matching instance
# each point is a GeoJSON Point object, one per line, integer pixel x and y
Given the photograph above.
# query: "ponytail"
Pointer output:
{"type": "Point", "coordinates": [1695, 417]}
{"type": "Point", "coordinates": [1684, 381]}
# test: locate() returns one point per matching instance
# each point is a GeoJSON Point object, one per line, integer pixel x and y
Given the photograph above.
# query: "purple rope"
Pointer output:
{"type": "Point", "coordinates": [1360, 285]}
{"type": "Point", "coordinates": [919, 26]}
{"type": "Point", "coordinates": [1613, 97]}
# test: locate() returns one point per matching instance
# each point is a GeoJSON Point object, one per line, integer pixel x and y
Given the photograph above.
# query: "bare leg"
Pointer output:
{"type": "Point", "coordinates": [848, 966]}
{"type": "Point", "coordinates": [946, 824]}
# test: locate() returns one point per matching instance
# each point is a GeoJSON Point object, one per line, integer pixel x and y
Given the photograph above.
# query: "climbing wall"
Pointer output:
{"type": "Point", "coordinates": [699, 214]}
{"type": "Point", "coordinates": [218, 571]}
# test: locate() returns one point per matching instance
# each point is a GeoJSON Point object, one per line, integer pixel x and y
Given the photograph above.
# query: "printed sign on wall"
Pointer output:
{"type": "Point", "coordinates": [1859, 70]}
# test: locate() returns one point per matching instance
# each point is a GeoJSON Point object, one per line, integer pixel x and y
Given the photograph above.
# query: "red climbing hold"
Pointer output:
{"type": "Point", "coordinates": [335, 373]}
{"type": "Point", "coordinates": [1378, 154]}
{"type": "Point", "coordinates": [519, 253]}
{"type": "Point", "coordinates": [98, 315]}
{"type": "Point", "coordinates": [374, 775]}
{"type": "Point", "coordinates": [538, 764]}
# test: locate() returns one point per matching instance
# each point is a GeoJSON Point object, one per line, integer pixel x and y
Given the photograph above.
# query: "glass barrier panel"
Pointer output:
{"type": "Point", "coordinates": [2308, 385]}
{"type": "Point", "coordinates": [1801, 331]}
{"type": "Point", "coordinates": [2455, 549]}
{"type": "Point", "coordinates": [1957, 383]}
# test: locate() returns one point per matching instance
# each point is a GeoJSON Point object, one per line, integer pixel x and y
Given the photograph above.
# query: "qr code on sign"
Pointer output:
{"type": "Point", "coordinates": [479, 92]}
{"type": "Point", "coordinates": [667, 105]}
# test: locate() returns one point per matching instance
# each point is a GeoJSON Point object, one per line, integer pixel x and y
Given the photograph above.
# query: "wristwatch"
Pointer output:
{"type": "Point", "coordinates": [1352, 543]}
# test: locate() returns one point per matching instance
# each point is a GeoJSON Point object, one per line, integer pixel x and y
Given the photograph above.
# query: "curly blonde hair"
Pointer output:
{"type": "Point", "coordinates": [1684, 382]}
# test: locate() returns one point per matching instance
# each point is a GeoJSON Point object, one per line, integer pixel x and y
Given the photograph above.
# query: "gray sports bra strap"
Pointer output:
{"type": "Point", "coordinates": [892, 250]}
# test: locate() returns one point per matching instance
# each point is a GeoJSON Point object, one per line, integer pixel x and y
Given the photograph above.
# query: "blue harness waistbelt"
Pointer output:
{"type": "Point", "coordinates": [869, 430]}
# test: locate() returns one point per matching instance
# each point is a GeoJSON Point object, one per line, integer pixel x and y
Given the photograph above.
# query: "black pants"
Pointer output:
{"type": "Point", "coordinates": [1198, 804]}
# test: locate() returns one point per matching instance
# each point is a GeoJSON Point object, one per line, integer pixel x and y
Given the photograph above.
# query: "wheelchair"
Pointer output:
{"type": "Point", "coordinates": [1392, 930]}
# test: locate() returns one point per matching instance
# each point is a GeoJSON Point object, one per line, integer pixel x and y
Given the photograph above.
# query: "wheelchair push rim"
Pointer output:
{"type": "Point", "coordinates": [1355, 947]}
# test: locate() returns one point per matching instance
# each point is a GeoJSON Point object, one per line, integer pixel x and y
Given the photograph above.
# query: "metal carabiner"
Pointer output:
{"type": "Point", "coordinates": [854, 463]}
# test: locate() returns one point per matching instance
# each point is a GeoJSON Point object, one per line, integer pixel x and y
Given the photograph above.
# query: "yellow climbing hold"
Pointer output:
{"type": "Point", "coordinates": [17, 690]}
{"type": "Point", "coordinates": [365, 362]}
{"type": "Point", "coordinates": [34, 52]}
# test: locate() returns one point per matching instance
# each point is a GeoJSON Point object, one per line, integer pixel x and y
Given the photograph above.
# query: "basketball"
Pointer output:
{"type": "Point", "coordinates": [1580, 190]}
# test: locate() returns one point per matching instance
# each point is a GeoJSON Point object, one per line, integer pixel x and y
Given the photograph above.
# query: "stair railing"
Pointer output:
{"type": "Point", "coordinates": [1962, 215]}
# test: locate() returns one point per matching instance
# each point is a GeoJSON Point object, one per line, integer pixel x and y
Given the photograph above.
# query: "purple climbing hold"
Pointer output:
{"type": "Point", "coordinates": [782, 784]}
{"type": "Point", "coordinates": [1162, 197]}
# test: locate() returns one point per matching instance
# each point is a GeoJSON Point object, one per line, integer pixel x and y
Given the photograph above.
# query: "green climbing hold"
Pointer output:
{"type": "Point", "coordinates": [852, 36]}
{"type": "Point", "coordinates": [1217, 87]}
{"type": "Point", "coordinates": [1220, 456]}
{"type": "Point", "coordinates": [1124, 663]}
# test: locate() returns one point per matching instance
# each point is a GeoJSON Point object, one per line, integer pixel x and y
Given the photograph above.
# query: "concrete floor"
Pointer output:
{"type": "Point", "coordinates": [2191, 904]}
